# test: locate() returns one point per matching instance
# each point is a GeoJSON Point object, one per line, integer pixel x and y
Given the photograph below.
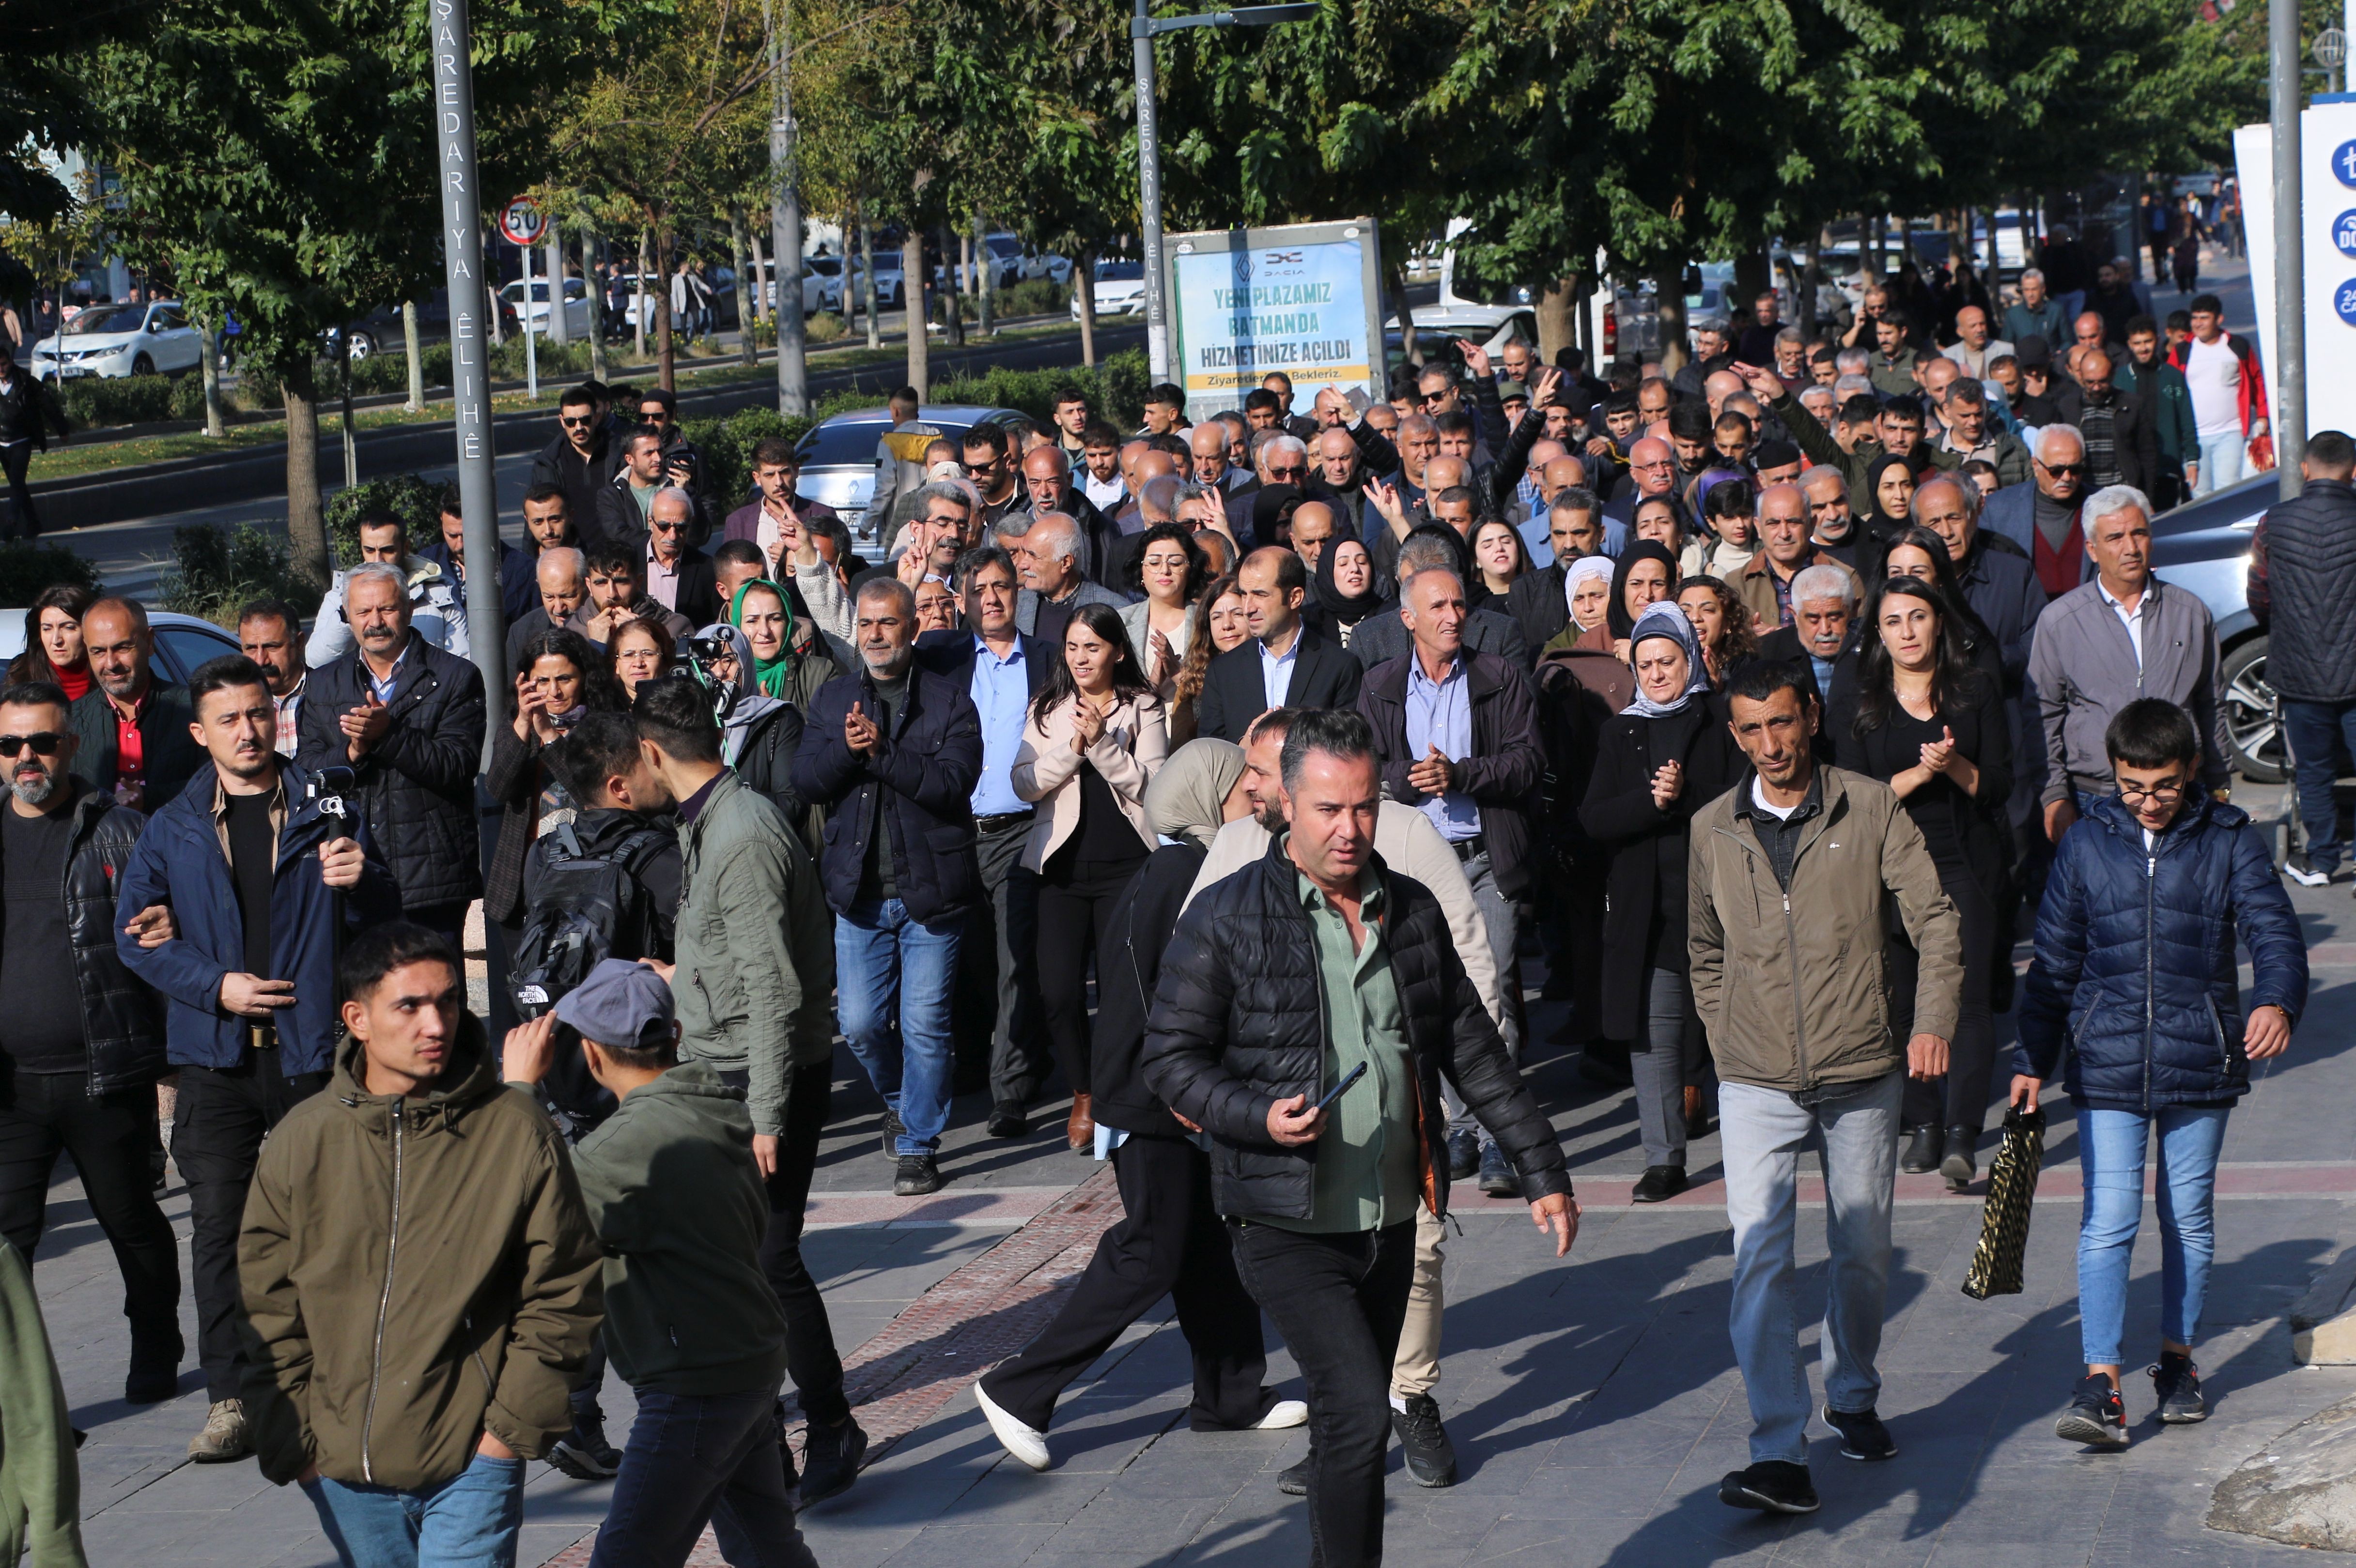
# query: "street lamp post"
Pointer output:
{"type": "Point", "coordinates": [2290, 247]}
{"type": "Point", "coordinates": [1143, 28]}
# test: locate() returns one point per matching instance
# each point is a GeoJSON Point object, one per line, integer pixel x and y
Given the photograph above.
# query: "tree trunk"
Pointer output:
{"type": "Point", "coordinates": [1557, 310]}
{"type": "Point", "coordinates": [1084, 276]}
{"type": "Point", "coordinates": [598, 369]}
{"type": "Point", "coordinates": [306, 521]}
{"type": "Point", "coordinates": [1407, 328]}
{"type": "Point", "coordinates": [760, 298]}
{"type": "Point", "coordinates": [559, 330]}
{"type": "Point", "coordinates": [953, 261]}
{"type": "Point", "coordinates": [988, 286]}
{"type": "Point", "coordinates": [1669, 290]}
{"type": "Point", "coordinates": [867, 283]}
{"type": "Point", "coordinates": [211, 368]}
{"type": "Point", "coordinates": [666, 348]}
{"type": "Point", "coordinates": [746, 350]}
{"type": "Point", "coordinates": [1812, 279]}
{"type": "Point", "coordinates": [415, 353]}
{"type": "Point", "coordinates": [639, 298]}
{"type": "Point", "coordinates": [912, 299]}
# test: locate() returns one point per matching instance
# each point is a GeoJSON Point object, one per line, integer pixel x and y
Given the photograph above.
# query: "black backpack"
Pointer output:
{"type": "Point", "coordinates": [588, 908]}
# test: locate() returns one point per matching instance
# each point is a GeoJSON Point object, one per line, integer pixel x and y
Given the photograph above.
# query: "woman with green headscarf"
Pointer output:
{"type": "Point", "coordinates": [760, 612]}
{"type": "Point", "coordinates": [1172, 1237]}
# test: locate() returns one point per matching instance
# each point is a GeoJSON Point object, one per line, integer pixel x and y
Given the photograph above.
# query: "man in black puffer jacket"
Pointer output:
{"type": "Point", "coordinates": [2306, 562]}
{"type": "Point", "coordinates": [1304, 1014]}
{"type": "Point", "coordinates": [408, 720]}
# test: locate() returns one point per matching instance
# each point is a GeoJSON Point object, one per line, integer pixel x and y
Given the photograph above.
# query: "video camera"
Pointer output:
{"type": "Point", "coordinates": [328, 787]}
{"type": "Point", "coordinates": [695, 659]}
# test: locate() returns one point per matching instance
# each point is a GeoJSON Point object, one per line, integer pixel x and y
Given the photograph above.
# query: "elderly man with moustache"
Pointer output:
{"type": "Point", "coordinates": [1785, 551]}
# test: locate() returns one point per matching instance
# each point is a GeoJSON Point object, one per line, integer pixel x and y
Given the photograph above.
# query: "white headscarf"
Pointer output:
{"type": "Point", "coordinates": [1663, 619]}
{"type": "Point", "coordinates": [1579, 572]}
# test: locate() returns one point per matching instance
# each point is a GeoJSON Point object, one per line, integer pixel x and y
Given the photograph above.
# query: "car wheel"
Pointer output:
{"type": "Point", "coordinates": [2252, 727]}
{"type": "Point", "coordinates": [143, 366]}
{"type": "Point", "coordinates": [361, 345]}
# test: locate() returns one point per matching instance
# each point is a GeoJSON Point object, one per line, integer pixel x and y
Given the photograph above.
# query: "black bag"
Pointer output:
{"type": "Point", "coordinates": [587, 907]}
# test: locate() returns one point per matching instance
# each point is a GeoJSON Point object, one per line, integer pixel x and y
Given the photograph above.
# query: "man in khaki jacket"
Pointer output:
{"type": "Point", "coordinates": [1789, 876]}
{"type": "Point", "coordinates": [420, 1278]}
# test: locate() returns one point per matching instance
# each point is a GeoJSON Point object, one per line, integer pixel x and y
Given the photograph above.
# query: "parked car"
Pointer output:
{"type": "Point", "coordinates": [121, 340]}
{"type": "Point", "coordinates": [580, 311]}
{"type": "Point", "coordinates": [821, 290]}
{"type": "Point", "coordinates": [838, 456]}
{"type": "Point", "coordinates": [1048, 265]}
{"type": "Point", "coordinates": [380, 332]}
{"type": "Point", "coordinates": [182, 642]}
{"type": "Point", "coordinates": [891, 288]}
{"type": "Point", "coordinates": [1437, 328]}
{"type": "Point", "coordinates": [2203, 547]}
{"type": "Point", "coordinates": [1119, 290]}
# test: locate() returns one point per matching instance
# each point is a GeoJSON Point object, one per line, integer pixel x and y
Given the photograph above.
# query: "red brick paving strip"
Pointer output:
{"type": "Point", "coordinates": [976, 1315]}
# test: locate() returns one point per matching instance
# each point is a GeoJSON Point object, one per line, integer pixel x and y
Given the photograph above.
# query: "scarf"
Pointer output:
{"type": "Point", "coordinates": [1579, 572]}
{"type": "Point", "coordinates": [741, 705]}
{"type": "Point", "coordinates": [1621, 624]}
{"type": "Point", "coordinates": [1187, 798]}
{"type": "Point", "coordinates": [1666, 620]}
{"type": "Point", "coordinates": [771, 674]}
{"type": "Point", "coordinates": [1343, 609]}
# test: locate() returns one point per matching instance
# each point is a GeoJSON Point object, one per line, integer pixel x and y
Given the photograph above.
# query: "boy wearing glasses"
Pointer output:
{"type": "Point", "coordinates": [2133, 993]}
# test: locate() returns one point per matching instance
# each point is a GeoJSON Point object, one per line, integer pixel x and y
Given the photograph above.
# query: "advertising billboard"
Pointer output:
{"type": "Point", "coordinates": [1304, 298]}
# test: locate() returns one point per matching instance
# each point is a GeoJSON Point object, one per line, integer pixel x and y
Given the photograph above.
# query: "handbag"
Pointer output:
{"type": "Point", "coordinates": [2004, 1221]}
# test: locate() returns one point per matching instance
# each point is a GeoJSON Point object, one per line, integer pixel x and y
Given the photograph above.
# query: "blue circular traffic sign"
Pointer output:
{"type": "Point", "coordinates": [2343, 300]}
{"type": "Point", "coordinates": [2343, 164]}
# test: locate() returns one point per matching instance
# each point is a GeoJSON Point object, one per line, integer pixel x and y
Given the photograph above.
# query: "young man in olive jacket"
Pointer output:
{"type": "Point", "coordinates": [420, 1278]}
{"type": "Point", "coordinates": [1788, 877]}
{"type": "Point", "coordinates": [680, 1209]}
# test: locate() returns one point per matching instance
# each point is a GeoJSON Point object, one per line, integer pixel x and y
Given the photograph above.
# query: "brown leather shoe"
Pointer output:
{"type": "Point", "coordinates": [1080, 1129]}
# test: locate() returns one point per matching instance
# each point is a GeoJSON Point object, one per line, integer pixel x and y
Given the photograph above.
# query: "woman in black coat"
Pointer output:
{"type": "Point", "coordinates": [1657, 761]}
{"type": "Point", "coordinates": [1931, 725]}
{"type": "Point", "coordinates": [558, 679]}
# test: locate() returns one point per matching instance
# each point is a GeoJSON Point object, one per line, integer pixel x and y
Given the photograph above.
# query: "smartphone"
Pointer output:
{"type": "Point", "coordinates": [1335, 1093]}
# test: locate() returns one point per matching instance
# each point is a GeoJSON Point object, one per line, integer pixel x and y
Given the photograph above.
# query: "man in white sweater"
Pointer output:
{"type": "Point", "coordinates": [1411, 845]}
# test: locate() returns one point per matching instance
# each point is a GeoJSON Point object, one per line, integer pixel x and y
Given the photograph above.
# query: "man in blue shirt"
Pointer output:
{"type": "Point", "coordinates": [994, 1013]}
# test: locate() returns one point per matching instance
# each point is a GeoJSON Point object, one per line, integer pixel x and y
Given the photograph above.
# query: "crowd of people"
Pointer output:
{"type": "Point", "coordinates": [1220, 777]}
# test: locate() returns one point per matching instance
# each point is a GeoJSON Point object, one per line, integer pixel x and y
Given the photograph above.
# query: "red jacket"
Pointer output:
{"type": "Point", "coordinates": [2254, 380]}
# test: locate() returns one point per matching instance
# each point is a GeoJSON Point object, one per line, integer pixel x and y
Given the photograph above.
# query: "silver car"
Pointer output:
{"type": "Point", "coordinates": [838, 456]}
{"type": "Point", "coordinates": [2203, 547]}
{"type": "Point", "coordinates": [182, 642]}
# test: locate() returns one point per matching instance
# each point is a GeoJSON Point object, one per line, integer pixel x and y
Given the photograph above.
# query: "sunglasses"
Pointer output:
{"type": "Point", "coordinates": [1438, 397]}
{"type": "Point", "coordinates": [2058, 469]}
{"type": "Point", "coordinates": [660, 526]}
{"type": "Point", "coordinates": [44, 744]}
{"type": "Point", "coordinates": [576, 424]}
{"type": "Point", "coordinates": [1281, 474]}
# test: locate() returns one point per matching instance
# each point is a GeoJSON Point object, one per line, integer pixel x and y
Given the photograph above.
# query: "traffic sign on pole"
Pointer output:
{"type": "Point", "coordinates": [522, 221]}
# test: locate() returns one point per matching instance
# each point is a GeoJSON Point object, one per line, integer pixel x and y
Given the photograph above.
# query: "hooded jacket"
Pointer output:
{"type": "Point", "coordinates": [417, 1271]}
{"type": "Point", "coordinates": [2133, 978]}
{"type": "Point", "coordinates": [679, 1210]}
{"type": "Point", "coordinates": [437, 609]}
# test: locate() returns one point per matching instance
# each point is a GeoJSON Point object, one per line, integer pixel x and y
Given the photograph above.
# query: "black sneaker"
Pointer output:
{"type": "Point", "coordinates": [155, 1374]}
{"type": "Point", "coordinates": [1960, 1164]}
{"type": "Point", "coordinates": [2304, 871]}
{"type": "Point", "coordinates": [584, 1454]}
{"type": "Point", "coordinates": [1771, 1486]}
{"type": "Point", "coordinates": [1293, 1479]}
{"type": "Point", "coordinates": [918, 1174]}
{"type": "Point", "coordinates": [831, 1457]}
{"type": "Point", "coordinates": [1463, 1155]}
{"type": "Point", "coordinates": [1659, 1184]}
{"type": "Point", "coordinates": [1431, 1458]}
{"type": "Point", "coordinates": [2098, 1417]}
{"type": "Point", "coordinates": [2177, 1382]}
{"type": "Point", "coordinates": [1924, 1147]}
{"type": "Point", "coordinates": [892, 1128]}
{"type": "Point", "coordinates": [1862, 1435]}
{"type": "Point", "coordinates": [1497, 1176]}
{"type": "Point", "coordinates": [1008, 1120]}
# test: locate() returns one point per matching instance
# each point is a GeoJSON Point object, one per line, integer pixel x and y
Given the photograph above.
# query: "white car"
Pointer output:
{"type": "Point", "coordinates": [121, 340]}
{"type": "Point", "coordinates": [891, 288]}
{"type": "Point", "coordinates": [1119, 290]}
{"type": "Point", "coordinates": [580, 315]}
{"type": "Point", "coordinates": [820, 291]}
{"type": "Point", "coordinates": [183, 643]}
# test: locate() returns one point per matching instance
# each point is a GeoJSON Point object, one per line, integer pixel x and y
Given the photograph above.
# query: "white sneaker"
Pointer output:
{"type": "Point", "coordinates": [1027, 1444]}
{"type": "Point", "coordinates": [1284, 1412]}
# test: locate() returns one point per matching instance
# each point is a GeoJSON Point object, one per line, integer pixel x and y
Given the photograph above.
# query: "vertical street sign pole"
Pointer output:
{"type": "Point", "coordinates": [1149, 200]}
{"type": "Point", "coordinates": [2289, 303]}
{"type": "Point", "coordinates": [531, 347]}
{"type": "Point", "coordinates": [470, 387]}
{"type": "Point", "coordinates": [786, 224]}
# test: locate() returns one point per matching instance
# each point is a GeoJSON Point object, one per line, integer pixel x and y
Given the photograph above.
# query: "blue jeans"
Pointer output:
{"type": "Point", "coordinates": [1761, 1133]}
{"type": "Point", "coordinates": [2110, 1154]}
{"type": "Point", "coordinates": [879, 951]}
{"type": "Point", "coordinates": [2224, 460]}
{"type": "Point", "coordinates": [692, 1458]}
{"type": "Point", "coordinates": [2315, 731]}
{"type": "Point", "coordinates": [468, 1521]}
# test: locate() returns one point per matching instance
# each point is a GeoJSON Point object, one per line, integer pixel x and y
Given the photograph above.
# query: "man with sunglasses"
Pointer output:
{"type": "Point", "coordinates": [677, 576]}
{"type": "Point", "coordinates": [581, 460]}
{"type": "Point", "coordinates": [2082, 672]}
{"type": "Point", "coordinates": [988, 467]}
{"type": "Point", "coordinates": [2043, 516]}
{"type": "Point", "coordinates": [83, 1040]}
{"type": "Point", "coordinates": [1279, 459]}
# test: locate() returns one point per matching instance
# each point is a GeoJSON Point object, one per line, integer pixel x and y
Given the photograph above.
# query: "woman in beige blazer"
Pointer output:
{"type": "Point", "coordinates": [1094, 738]}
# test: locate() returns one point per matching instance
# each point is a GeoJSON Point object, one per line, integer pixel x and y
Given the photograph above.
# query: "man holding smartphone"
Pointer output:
{"type": "Point", "coordinates": [682, 465]}
{"type": "Point", "coordinates": [264, 874]}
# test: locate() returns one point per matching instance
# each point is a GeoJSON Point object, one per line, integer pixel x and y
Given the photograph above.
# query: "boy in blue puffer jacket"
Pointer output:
{"type": "Point", "coordinates": [2135, 978]}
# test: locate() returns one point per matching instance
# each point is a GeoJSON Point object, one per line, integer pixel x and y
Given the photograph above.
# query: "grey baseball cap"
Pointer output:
{"type": "Point", "coordinates": [619, 1004]}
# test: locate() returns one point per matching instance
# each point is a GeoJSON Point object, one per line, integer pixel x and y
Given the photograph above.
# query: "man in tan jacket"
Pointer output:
{"type": "Point", "coordinates": [1789, 876]}
{"type": "Point", "coordinates": [420, 1278]}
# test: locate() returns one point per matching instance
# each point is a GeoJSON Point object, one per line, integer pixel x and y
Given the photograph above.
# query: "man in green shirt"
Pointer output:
{"type": "Point", "coordinates": [1282, 982]}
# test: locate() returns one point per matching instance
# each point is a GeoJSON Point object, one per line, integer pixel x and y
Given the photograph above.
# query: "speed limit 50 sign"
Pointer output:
{"type": "Point", "coordinates": [522, 221]}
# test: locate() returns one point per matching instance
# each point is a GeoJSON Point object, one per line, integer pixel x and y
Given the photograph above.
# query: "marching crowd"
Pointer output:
{"type": "Point", "coordinates": [1766, 700]}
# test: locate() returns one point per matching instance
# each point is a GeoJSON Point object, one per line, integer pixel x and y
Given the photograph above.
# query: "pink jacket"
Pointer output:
{"type": "Point", "coordinates": [1133, 744]}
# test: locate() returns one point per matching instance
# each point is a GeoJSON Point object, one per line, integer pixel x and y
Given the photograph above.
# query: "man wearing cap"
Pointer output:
{"type": "Point", "coordinates": [680, 1209]}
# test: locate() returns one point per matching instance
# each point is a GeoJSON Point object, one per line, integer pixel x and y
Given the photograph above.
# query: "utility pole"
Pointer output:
{"type": "Point", "coordinates": [2290, 248]}
{"type": "Point", "coordinates": [470, 387]}
{"type": "Point", "coordinates": [785, 219]}
{"type": "Point", "coordinates": [1143, 28]}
